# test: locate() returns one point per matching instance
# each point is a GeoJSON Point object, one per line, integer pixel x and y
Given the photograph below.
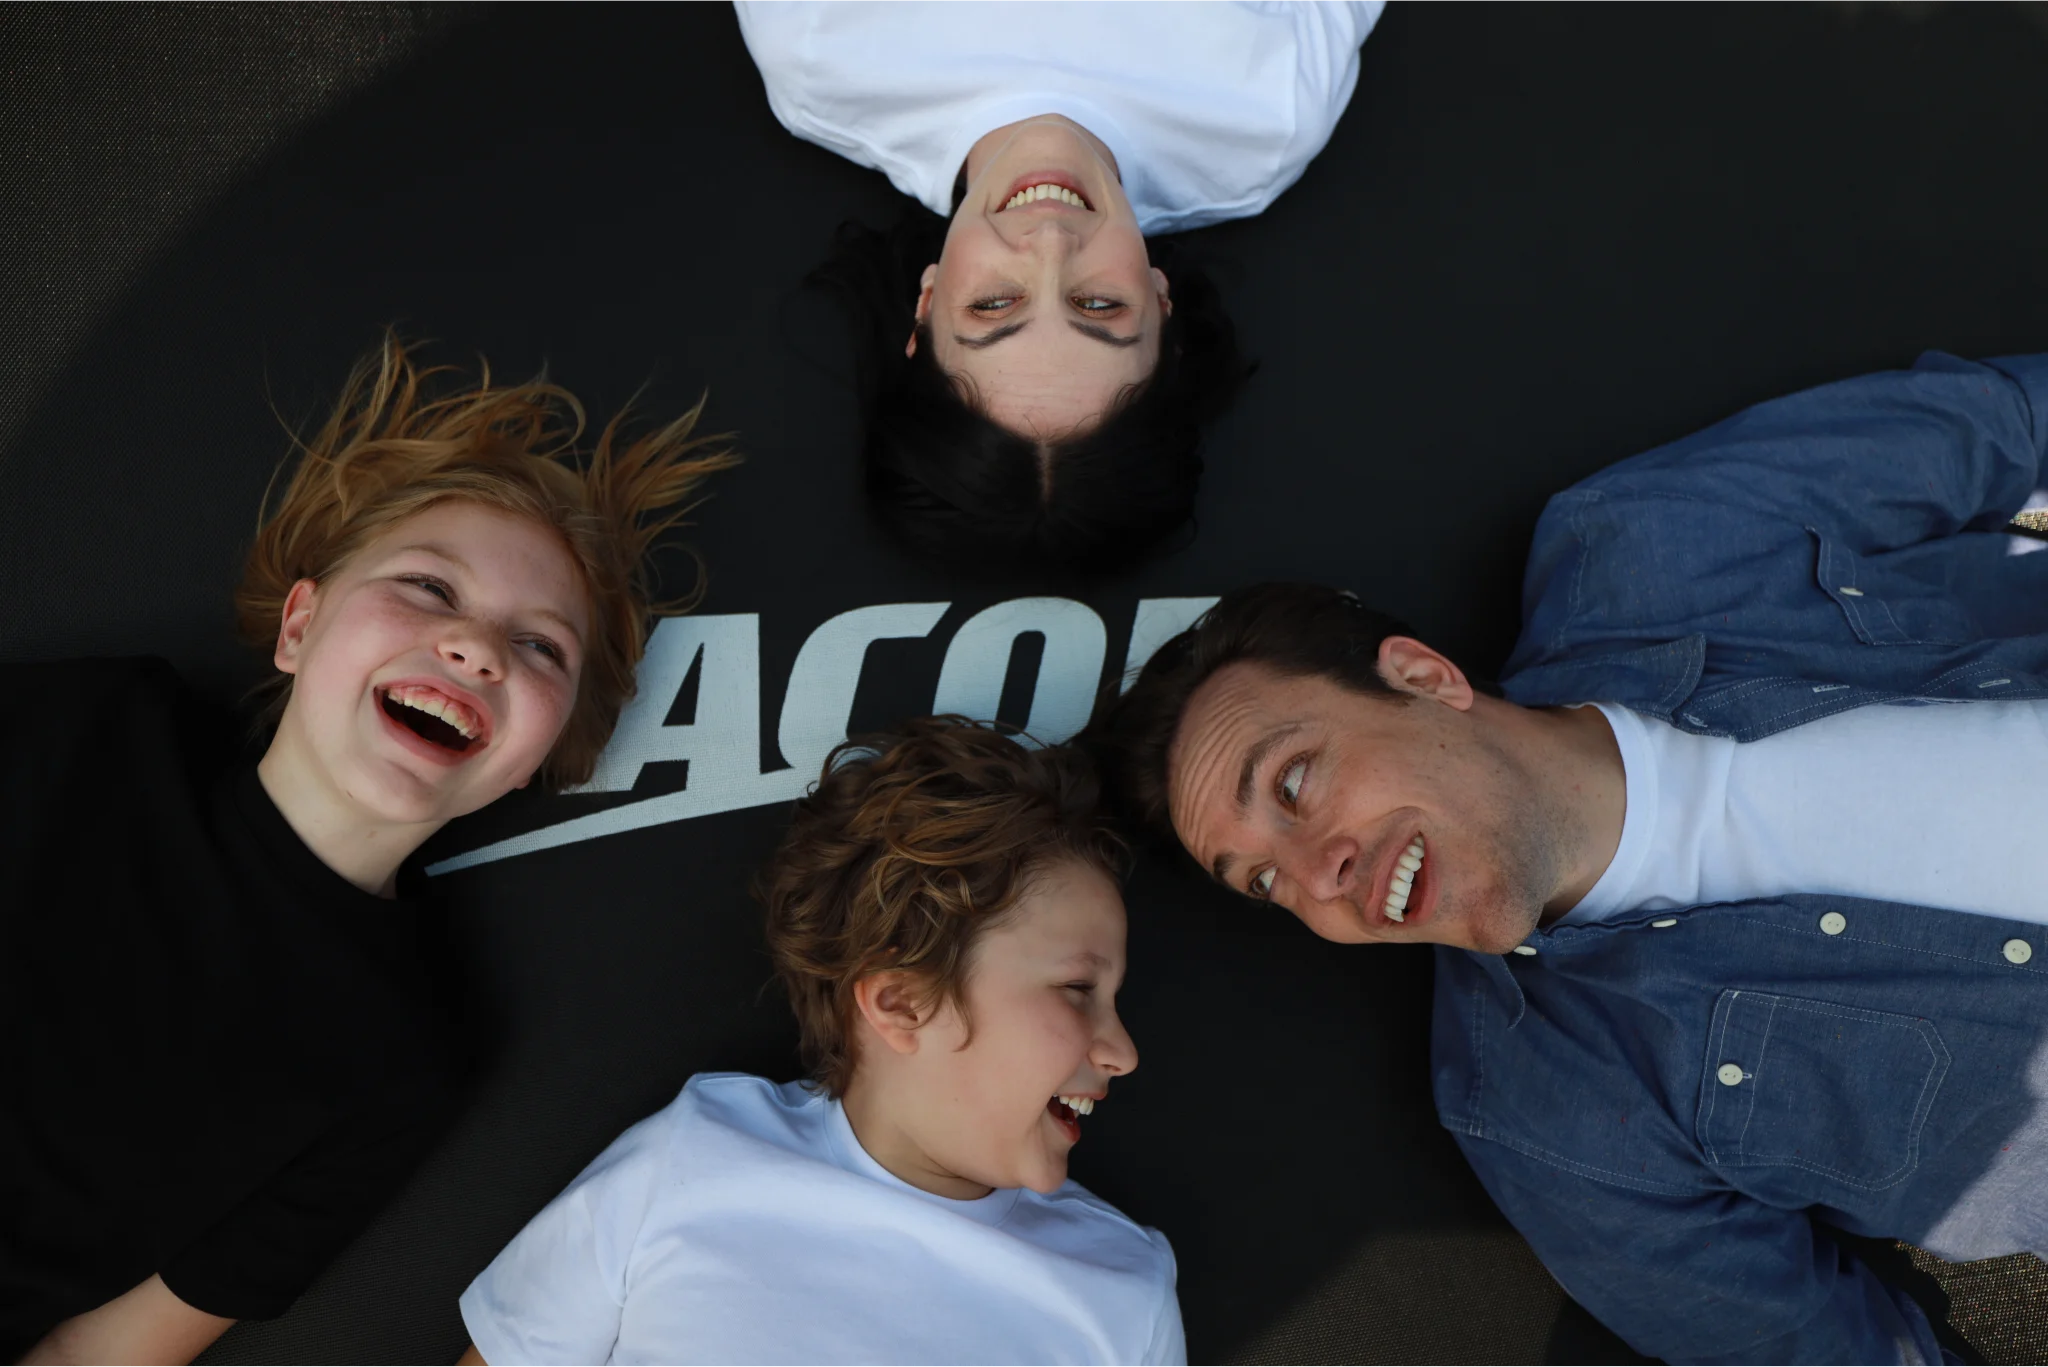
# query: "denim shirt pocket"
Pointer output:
{"type": "Point", "coordinates": [1835, 1091]}
{"type": "Point", "coordinates": [1916, 617]}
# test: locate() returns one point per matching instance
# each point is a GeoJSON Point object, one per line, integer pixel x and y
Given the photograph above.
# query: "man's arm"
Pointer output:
{"type": "Point", "coordinates": [1741, 537]}
{"type": "Point", "coordinates": [146, 1324]}
{"type": "Point", "coordinates": [1878, 462]}
{"type": "Point", "coordinates": [1712, 1276]}
{"type": "Point", "coordinates": [471, 1358]}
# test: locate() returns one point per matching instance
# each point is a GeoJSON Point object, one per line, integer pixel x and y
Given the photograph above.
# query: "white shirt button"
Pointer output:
{"type": "Point", "coordinates": [2018, 951]}
{"type": "Point", "coordinates": [1834, 923]}
{"type": "Point", "coordinates": [1664, 924]}
{"type": "Point", "coordinates": [1530, 949]}
{"type": "Point", "coordinates": [1730, 1074]}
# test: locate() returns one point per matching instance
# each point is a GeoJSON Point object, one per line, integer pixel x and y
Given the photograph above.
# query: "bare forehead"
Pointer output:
{"type": "Point", "coordinates": [1223, 719]}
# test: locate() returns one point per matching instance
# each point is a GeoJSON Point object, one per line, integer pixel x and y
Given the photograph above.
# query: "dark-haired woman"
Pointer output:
{"type": "Point", "coordinates": [1037, 375]}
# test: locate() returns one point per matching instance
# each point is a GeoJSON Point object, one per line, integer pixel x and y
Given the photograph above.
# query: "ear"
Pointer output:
{"type": "Point", "coordinates": [923, 310]}
{"type": "Point", "coordinates": [896, 1005]}
{"type": "Point", "coordinates": [1412, 667]}
{"type": "Point", "coordinates": [291, 630]}
{"type": "Point", "coordinates": [1159, 288]}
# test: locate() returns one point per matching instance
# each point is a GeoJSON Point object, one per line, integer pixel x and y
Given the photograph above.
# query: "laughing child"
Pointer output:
{"type": "Point", "coordinates": [945, 917]}
{"type": "Point", "coordinates": [223, 1048]}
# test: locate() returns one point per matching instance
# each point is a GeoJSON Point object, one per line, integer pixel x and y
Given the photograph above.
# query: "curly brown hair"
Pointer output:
{"type": "Point", "coordinates": [913, 845]}
{"type": "Point", "coordinates": [402, 438]}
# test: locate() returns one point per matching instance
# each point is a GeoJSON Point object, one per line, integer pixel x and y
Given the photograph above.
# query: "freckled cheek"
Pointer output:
{"type": "Point", "coordinates": [546, 706]}
{"type": "Point", "coordinates": [349, 647]}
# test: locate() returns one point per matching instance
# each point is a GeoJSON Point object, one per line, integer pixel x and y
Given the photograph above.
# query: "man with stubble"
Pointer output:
{"type": "Point", "coordinates": [1736, 926]}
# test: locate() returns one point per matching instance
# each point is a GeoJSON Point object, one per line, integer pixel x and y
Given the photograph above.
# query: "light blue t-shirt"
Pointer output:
{"type": "Point", "coordinates": [744, 1223]}
{"type": "Point", "coordinates": [1932, 805]}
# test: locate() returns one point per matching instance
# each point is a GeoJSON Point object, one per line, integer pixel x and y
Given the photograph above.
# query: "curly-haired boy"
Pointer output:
{"type": "Point", "coordinates": [224, 1046]}
{"type": "Point", "coordinates": [945, 917]}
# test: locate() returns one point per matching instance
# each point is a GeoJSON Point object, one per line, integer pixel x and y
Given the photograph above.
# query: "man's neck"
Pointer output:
{"type": "Point", "coordinates": [1581, 766]}
{"type": "Point", "coordinates": [365, 851]}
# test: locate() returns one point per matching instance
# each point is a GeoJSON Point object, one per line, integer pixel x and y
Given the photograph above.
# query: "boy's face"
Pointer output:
{"type": "Point", "coordinates": [1041, 992]}
{"type": "Point", "coordinates": [435, 671]}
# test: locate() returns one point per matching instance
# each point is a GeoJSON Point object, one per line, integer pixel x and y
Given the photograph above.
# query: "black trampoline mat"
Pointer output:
{"type": "Point", "coordinates": [1541, 240]}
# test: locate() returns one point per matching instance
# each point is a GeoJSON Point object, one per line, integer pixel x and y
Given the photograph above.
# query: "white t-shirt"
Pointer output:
{"type": "Point", "coordinates": [745, 1223]}
{"type": "Point", "coordinates": [1210, 109]}
{"type": "Point", "coordinates": [1937, 805]}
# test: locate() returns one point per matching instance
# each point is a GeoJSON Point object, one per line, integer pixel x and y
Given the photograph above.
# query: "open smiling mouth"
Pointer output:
{"type": "Point", "coordinates": [1067, 1111]}
{"type": "Point", "coordinates": [433, 718]}
{"type": "Point", "coordinates": [1406, 870]}
{"type": "Point", "coordinates": [1059, 194]}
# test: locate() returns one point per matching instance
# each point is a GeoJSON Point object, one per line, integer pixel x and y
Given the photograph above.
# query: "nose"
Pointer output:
{"type": "Point", "coordinates": [1331, 867]}
{"type": "Point", "coordinates": [1114, 1053]}
{"type": "Point", "coordinates": [475, 648]}
{"type": "Point", "coordinates": [1049, 238]}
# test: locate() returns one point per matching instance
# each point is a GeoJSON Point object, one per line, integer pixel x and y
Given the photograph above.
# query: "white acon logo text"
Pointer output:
{"type": "Point", "coordinates": [723, 741]}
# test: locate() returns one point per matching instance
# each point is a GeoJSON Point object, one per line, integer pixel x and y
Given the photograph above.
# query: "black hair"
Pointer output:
{"type": "Point", "coordinates": [952, 483]}
{"type": "Point", "coordinates": [1295, 630]}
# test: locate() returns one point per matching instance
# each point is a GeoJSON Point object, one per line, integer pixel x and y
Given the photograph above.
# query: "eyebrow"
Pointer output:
{"type": "Point", "coordinates": [1103, 334]}
{"type": "Point", "coordinates": [443, 553]}
{"type": "Point", "coordinates": [1247, 776]}
{"type": "Point", "coordinates": [1008, 330]}
{"type": "Point", "coordinates": [1255, 757]}
{"type": "Point", "coordinates": [989, 339]}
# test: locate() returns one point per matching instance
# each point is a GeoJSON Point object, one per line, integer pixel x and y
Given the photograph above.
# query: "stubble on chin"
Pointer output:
{"type": "Point", "coordinates": [1534, 843]}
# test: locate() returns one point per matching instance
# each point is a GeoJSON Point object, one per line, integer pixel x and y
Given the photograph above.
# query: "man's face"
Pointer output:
{"type": "Point", "coordinates": [1050, 309]}
{"type": "Point", "coordinates": [435, 671]}
{"type": "Point", "coordinates": [1304, 793]}
{"type": "Point", "coordinates": [1041, 996]}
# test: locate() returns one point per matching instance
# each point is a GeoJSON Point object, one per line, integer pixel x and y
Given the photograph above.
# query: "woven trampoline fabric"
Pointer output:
{"type": "Point", "coordinates": [131, 129]}
{"type": "Point", "coordinates": [1351, 1317]}
{"type": "Point", "coordinates": [116, 137]}
{"type": "Point", "coordinates": [2000, 1305]}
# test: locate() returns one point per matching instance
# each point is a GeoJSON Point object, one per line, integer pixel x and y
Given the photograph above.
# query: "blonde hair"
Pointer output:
{"type": "Point", "coordinates": [392, 449]}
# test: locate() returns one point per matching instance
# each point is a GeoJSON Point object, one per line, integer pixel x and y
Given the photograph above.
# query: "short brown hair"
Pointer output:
{"type": "Point", "coordinates": [1295, 630]}
{"type": "Point", "coordinates": [397, 443]}
{"type": "Point", "coordinates": [911, 846]}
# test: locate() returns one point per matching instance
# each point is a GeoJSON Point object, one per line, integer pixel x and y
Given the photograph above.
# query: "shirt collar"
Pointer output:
{"type": "Point", "coordinates": [1638, 821]}
{"type": "Point", "coordinates": [1653, 680]}
{"type": "Point", "coordinates": [847, 1153]}
{"type": "Point", "coordinates": [977, 123]}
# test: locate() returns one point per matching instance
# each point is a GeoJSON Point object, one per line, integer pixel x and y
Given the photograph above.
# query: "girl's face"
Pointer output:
{"type": "Point", "coordinates": [1041, 994]}
{"type": "Point", "coordinates": [434, 672]}
{"type": "Point", "coordinates": [1043, 298]}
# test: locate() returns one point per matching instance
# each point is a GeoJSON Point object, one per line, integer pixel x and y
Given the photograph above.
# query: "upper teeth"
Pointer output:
{"type": "Point", "coordinates": [1036, 192]}
{"type": "Point", "coordinates": [436, 705]}
{"type": "Point", "coordinates": [1404, 881]}
{"type": "Point", "coordinates": [1079, 1105]}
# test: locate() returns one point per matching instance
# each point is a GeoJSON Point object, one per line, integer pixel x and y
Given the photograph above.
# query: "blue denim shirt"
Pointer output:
{"type": "Point", "coordinates": [1675, 1107]}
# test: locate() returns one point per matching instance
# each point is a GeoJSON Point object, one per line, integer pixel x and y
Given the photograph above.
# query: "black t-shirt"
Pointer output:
{"type": "Point", "coordinates": [218, 1057]}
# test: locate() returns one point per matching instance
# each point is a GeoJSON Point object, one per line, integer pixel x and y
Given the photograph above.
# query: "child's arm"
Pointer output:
{"type": "Point", "coordinates": [145, 1324]}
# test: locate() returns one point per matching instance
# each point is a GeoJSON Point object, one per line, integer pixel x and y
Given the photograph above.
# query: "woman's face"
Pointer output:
{"type": "Point", "coordinates": [1048, 307]}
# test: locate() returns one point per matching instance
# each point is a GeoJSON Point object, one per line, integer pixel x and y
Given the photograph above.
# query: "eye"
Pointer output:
{"type": "Point", "coordinates": [1083, 988]}
{"type": "Point", "coordinates": [1261, 885]}
{"type": "Point", "coordinates": [431, 585]}
{"type": "Point", "coordinates": [1289, 784]}
{"type": "Point", "coordinates": [547, 648]}
{"type": "Point", "coordinates": [1097, 305]}
{"type": "Point", "coordinates": [993, 305]}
